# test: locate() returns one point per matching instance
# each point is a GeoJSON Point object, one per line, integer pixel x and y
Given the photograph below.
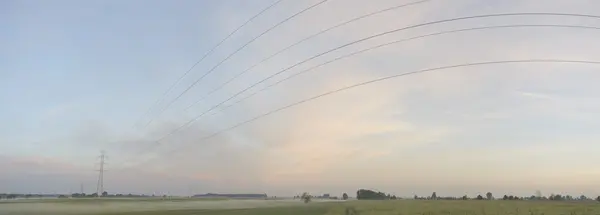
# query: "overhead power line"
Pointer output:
{"type": "Point", "coordinates": [361, 40]}
{"type": "Point", "coordinates": [203, 57]}
{"type": "Point", "coordinates": [372, 81]}
{"type": "Point", "coordinates": [302, 41]}
{"type": "Point", "coordinates": [402, 41]}
{"type": "Point", "coordinates": [396, 76]}
{"type": "Point", "coordinates": [156, 142]}
{"type": "Point", "coordinates": [229, 56]}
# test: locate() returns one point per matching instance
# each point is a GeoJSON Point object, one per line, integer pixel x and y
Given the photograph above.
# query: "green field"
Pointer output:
{"type": "Point", "coordinates": [272, 207]}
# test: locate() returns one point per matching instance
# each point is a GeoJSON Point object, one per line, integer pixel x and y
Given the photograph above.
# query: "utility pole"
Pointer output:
{"type": "Point", "coordinates": [100, 186]}
{"type": "Point", "coordinates": [81, 188]}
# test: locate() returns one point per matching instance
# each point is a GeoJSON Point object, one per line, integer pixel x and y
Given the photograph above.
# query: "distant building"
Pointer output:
{"type": "Point", "coordinates": [231, 196]}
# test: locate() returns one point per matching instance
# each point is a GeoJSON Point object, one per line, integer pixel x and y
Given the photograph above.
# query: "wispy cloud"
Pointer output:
{"type": "Point", "coordinates": [536, 95]}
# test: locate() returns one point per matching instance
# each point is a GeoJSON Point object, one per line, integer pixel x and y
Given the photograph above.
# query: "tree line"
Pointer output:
{"type": "Point", "coordinates": [74, 195]}
{"type": "Point", "coordinates": [106, 195]}
{"type": "Point", "coordinates": [364, 194]}
{"type": "Point", "coordinates": [26, 196]}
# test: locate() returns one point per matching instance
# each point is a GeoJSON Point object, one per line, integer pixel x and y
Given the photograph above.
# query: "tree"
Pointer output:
{"type": "Point", "coordinates": [345, 196]}
{"type": "Point", "coordinates": [465, 197]}
{"type": "Point", "coordinates": [511, 197]}
{"type": "Point", "coordinates": [583, 197]}
{"type": "Point", "coordinates": [394, 197]}
{"type": "Point", "coordinates": [433, 196]}
{"type": "Point", "coordinates": [505, 197]}
{"type": "Point", "coordinates": [416, 197]}
{"type": "Point", "coordinates": [306, 197]}
{"type": "Point", "coordinates": [479, 197]}
{"type": "Point", "coordinates": [598, 198]}
{"type": "Point", "coordinates": [489, 196]}
{"type": "Point", "coordinates": [557, 197]}
{"type": "Point", "coordinates": [363, 194]}
{"type": "Point", "coordinates": [104, 194]}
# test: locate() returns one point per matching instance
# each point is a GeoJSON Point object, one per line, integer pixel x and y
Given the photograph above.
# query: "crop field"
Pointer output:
{"type": "Point", "coordinates": [273, 207]}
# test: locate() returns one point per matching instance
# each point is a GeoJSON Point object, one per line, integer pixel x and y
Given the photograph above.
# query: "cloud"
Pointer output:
{"type": "Point", "coordinates": [535, 95]}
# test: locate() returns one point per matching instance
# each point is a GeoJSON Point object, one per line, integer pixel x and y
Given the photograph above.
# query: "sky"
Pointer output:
{"type": "Point", "coordinates": [79, 77]}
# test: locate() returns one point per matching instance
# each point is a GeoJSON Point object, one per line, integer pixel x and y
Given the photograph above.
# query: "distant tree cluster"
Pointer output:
{"type": "Point", "coordinates": [9, 196]}
{"type": "Point", "coordinates": [83, 195]}
{"type": "Point", "coordinates": [440, 198]}
{"type": "Point", "coordinates": [324, 196]}
{"type": "Point", "coordinates": [26, 196]}
{"type": "Point", "coordinates": [78, 195]}
{"type": "Point", "coordinates": [489, 196]}
{"type": "Point", "coordinates": [511, 197]}
{"type": "Point", "coordinates": [434, 196]}
{"type": "Point", "coordinates": [364, 194]}
{"type": "Point", "coordinates": [107, 195]}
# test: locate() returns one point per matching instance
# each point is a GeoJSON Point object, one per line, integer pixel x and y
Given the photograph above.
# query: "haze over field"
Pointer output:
{"type": "Point", "coordinates": [76, 77]}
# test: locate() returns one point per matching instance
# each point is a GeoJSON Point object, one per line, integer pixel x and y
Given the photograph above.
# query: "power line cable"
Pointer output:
{"type": "Point", "coordinates": [161, 99]}
{"type": "Point", "coordinates": [396, 30]}
{"type": "Point", "coordinates": [396, 42]}
{"type": "Point", "coordinates": [302, 41]}
{"type": "Point", "coordinates": [365, 39]}
{"type": "Point", "coordinates": [396, 76]}
{"type": "Point", "coordinates": [229, 56]}
{"type": "Point", "coordinates": [388, 78]}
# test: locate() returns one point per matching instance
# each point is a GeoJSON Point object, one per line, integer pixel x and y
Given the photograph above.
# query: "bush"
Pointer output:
{"type": "Point", "coordinates": [306, 197]}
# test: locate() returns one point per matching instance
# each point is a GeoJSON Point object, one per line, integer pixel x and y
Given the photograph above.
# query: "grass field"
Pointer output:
{"type": "Point", "coordinates": [273, 207]}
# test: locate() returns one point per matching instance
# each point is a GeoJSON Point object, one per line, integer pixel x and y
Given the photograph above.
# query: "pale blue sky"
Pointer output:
{"type": "Point", "coordinates": [75, 76]}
